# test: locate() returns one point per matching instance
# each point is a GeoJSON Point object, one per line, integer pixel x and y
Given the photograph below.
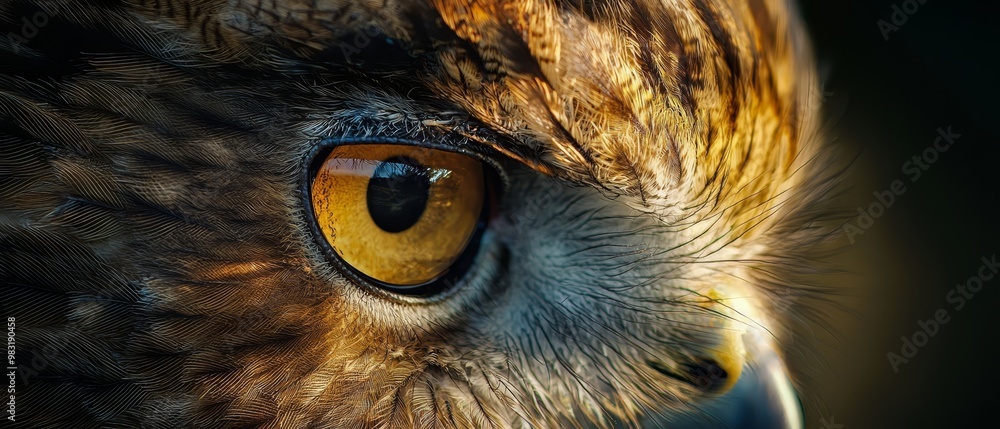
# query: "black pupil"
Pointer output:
{"type": "Point", "coordinates": [397, 193]}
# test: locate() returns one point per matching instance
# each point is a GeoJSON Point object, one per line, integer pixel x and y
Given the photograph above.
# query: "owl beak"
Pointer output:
{"type": "Point", "coordinates": [762, 398]}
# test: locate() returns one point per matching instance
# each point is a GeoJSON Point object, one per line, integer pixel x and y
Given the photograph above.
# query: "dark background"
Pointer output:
{"type": "Point", "coordinates": [885, 100]}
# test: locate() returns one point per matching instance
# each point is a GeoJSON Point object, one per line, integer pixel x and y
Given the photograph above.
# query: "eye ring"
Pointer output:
{"type": "Point", "coordinates": [436, 289]}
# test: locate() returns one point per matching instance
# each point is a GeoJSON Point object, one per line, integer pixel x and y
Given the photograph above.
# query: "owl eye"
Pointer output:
{"type": "Point", "coordinates": [400, 217]}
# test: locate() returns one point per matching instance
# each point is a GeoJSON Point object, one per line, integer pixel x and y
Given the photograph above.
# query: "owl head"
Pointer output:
{"type": "Point", "coordinates": [407, 213]}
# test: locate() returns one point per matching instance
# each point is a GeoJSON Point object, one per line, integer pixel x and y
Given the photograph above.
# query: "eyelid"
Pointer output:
{"type": "Point", "coordinates": [485, 154]}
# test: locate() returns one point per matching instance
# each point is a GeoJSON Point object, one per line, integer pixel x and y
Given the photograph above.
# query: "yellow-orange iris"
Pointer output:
{"type": "Point", "coordinates": [399, 214]}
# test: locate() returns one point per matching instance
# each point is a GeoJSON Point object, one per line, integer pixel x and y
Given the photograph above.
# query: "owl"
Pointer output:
{"type": "Point", "coordinates": [407, 213]}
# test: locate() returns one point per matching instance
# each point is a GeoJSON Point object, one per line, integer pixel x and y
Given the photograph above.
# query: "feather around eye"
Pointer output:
{"type": "Point", "coordinates": [640, 192]}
